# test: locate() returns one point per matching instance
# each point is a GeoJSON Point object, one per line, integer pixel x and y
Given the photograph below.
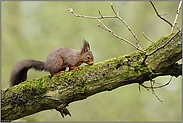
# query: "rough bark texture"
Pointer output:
{"type": "Point", "coordinates": [56, 92]}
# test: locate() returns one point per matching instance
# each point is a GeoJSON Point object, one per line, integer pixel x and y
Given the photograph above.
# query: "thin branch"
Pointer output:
{"type": "Point", "coordinates": [130, 31]}
{"type": "Point", "coordinates": [102, 17]}
{"type": "Point", "coordinates": [102, 27]}
{"type": "Point", "coordinates": [158, 86]}
{"type": "Point", "coordinates": [158, 48]}
{"type": "Point", "coordinates": [100, 14]}
{"type": "Point", "coordinates": [137, 46]}
{"type": "Point", "coordinates": [117, 15]}
{"type": "Point", "coordinates": [159, 14]}
{"type": "Point", "coordinates": [163, 14]}
{"type": "Point", "coordinates": [152, 87]}
{"type": "Point", "coordinates": [162, 46]}
{"type": "Point", "coordinates": [176, 17]}
{"type": "Point", "coordinates": [118, 11]}
{"type": "Point", "coordinates": [164, 84]}
{"type": "Point", "coordinates": [139, 88]}
{"type": "Point", "coordinates": [149, 39]}
{"type": "Point", "coordinates": [153, 92]}
{"type": "Point", "coordinates": [106, 28]}
{"type": "Point", "coordinates": [177, 26]}
{"type": "Point", "coordinates": [113, 10]}
{"type": "Point", "coordinates": [90, 17]}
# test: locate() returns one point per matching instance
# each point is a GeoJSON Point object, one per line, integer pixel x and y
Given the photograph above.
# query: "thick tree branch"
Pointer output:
{"type": "Point", "coordinates": [57, 92]}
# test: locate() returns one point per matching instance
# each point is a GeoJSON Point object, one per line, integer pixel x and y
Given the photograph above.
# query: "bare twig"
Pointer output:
{"type": "Point", "coordinates": [159, 14]}
{"type": "Point", "coordinates": [100, 14]}
{"type": "Point", "coordinates": [130, 31]}
{"type": "Point", "coordinates": [149, 39]}
{"type": "Point", "coordinates": [158, 86]}
{"type": "Point", "coordinates": [177, 26]}
{"type": "Point", "coordinates": [176, 17]}
{"type": "Point", "coordinates": [137, 46]}
{"type": "Point", "coordinates": [102, 27]}
{"type": "Point", "coordinates": [139, 88]}
{"type": "Point", "coordinates": [102, 17]}
{"type": "Point", "coordinates": [158, 48]}
{"type": "Point", "coordinates": [163, 14]}
{"type": "Point", "coordinates": [155, 82]}
{"type": "Point", "coordinates": [118, 11]}
{"type": "Point", "coordinates": [153, 92]}
{"type": "Point", "coordinates": [106, 28]}
{"type": "Point", "coordinates": [90, 17]}
{"type": "Point", "coordinates": [162, 46]}
{"type": "Point", "coordinates": [117, 15]}
{"type": "Point", "coordinates": [164, 84]}
{"type": "Point", "coordinates": [143, 86]}
{"type": "Point", "coordinates": [113, 9]}
{"type": "Point", "coordinates": [152, 87]}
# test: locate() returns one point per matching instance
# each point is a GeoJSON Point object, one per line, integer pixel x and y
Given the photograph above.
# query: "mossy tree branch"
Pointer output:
{"type": "Point", "coordinates": [56, 92]}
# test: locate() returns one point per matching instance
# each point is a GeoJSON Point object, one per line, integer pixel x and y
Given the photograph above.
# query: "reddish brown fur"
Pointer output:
{"type": "Point", "coordinates": [56, 62]}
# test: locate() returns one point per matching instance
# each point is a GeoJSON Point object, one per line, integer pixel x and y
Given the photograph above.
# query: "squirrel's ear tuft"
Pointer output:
{"type": "Point", "coordinates": [86, 44]}
{"type": "Point", "coordinates": [86, 47]}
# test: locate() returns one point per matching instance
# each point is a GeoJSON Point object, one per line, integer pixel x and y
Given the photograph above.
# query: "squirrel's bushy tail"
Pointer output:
{"type": "Point", "coordinates": [19, 72]}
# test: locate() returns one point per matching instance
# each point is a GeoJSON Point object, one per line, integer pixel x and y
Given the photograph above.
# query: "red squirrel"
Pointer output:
{"type": "Point", "coordinates": [56, 62]}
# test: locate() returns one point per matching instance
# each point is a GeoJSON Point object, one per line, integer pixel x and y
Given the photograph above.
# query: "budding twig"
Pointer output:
{"type": "Point", "coordinates": [158, 86]}
{"type": "Point", "coordinates": [130, 31]}
{"type": "Point", "coordinates": [106, 28]}
{"type": "Point", "coordinates": [113, 9]}
{"type": "Point", "coordinates": [162, 46]}
{"type": "Point", "coordinates": [149, 39]}
{"type": "Point", "coordinates": [102, 17]}
{"type": "Point", "coordinates": [159, 14]}
{"type": "Point", "coordinates": [137, 46]}
{"type": "Point", "coordinates": [163, 14]}
{"type": "Point", "coordinates": [100, 14]}
{"type": "Point", "coordinates": [118, 11]}
{"type": "Point", "coordinates": [158, 48]}
{"type": "Point", "coordinates": [152, 87]}
{"type": "Point", "coordinates": [102, 27]}
{"type": "Point", "coordinates": [176, 17]}
{"type": "Point", "coordinates": [117, 15]}
{"type": "Point", "coordinates": [90, 17]}
{"type": "Point", "coordinates": [177, 26]}
{"type": "Point", "coordinates": [153, 92]}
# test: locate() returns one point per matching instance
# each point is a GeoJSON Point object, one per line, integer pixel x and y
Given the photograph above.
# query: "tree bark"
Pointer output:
{"type": "Point", "coordinates": [56, 92]}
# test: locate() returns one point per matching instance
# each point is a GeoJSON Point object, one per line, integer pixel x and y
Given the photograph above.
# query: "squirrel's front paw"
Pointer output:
{"type": "Point", "coordinates": [79, 67]}
{"type": "Point", "coordinates": [75, 68]}
{"type": "Point", "coordinates": [61, 72]}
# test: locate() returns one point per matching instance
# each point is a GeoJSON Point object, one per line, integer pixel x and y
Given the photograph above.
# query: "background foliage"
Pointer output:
{"type": "Point", "coordinates": [31, 29]}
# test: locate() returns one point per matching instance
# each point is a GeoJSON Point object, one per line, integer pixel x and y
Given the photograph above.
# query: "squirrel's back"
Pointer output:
{"type": "Point", "coordinates": [62, 57]}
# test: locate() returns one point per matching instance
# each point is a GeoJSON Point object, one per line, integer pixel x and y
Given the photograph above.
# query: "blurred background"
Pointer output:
{"type": "Point", "coordinates": [32, 29]}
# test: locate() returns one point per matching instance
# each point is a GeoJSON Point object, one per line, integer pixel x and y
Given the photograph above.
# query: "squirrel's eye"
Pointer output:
{"type": "Point", "coordinates": [88, 57]}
